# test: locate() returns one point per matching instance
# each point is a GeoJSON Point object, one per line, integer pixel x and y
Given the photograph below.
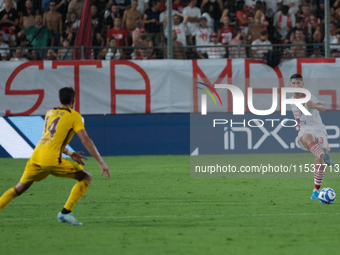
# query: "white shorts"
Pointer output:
{"type": "Point", "coordinates": [320, 137]}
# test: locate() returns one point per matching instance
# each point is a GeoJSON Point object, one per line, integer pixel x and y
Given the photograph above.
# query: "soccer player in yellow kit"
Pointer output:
{"type": "Point", "coordinates": [60, 125]}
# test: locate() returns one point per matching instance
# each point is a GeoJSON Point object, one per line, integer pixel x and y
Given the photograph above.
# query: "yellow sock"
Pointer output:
{"type": "Point", "coordinates": [7, 197]}
{"type": "Point", "coordinates": [77, 192]}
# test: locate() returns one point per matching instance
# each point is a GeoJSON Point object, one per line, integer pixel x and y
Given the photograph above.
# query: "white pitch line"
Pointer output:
{"type": "Point", "coordinates": [181, 216]}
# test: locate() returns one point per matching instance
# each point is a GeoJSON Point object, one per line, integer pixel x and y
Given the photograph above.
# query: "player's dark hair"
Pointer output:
{"type": "Point", "coordinates": [296, 76]}
{"type": "Point", "coordinates": [66, 95]}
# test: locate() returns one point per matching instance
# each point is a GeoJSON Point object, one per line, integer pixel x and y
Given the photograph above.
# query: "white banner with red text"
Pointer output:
{"type": "Point", "coordinates": [156, 86]}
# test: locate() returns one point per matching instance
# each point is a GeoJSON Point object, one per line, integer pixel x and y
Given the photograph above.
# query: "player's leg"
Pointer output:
{"type": "Point", "coordinates": [308, 141]}
{"type": "Point", "coordinates": [68, 169]}
{"type": "Point", "coordinates": [84, 180]}
{"type": "Point", "coordinates": [32, 173]}
{"type": "Point", "coordinates": [12, 193]}
{"type": "Point", "coordinates": [319, 173]}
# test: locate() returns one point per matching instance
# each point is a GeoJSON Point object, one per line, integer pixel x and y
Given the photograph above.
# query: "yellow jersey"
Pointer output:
{"type": "Point", "coordinates": [60, 126]}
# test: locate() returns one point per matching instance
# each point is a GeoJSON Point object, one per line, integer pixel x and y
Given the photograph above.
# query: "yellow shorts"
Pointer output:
{"type": "Point", "coordinates": [34, 172]}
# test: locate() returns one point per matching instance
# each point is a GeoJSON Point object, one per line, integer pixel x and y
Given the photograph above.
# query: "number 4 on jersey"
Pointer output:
{"type": "Point", "coordinates": [52, 128]}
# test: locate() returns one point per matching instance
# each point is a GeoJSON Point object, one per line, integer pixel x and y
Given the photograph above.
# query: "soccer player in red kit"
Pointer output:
{"type": "Point", "coordinates": [312, 134]}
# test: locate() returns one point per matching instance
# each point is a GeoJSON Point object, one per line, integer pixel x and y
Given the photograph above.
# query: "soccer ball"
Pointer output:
{"type": "Point", "coordinates": [327, 196]}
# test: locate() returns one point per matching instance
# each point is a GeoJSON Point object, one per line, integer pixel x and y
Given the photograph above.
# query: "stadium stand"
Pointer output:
{"type": "Point", "coordinates": [295, 28]}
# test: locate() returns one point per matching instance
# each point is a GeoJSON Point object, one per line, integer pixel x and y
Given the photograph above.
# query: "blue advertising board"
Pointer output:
{"type": "Point", "coordinates": [162, 134]}
{"type": "Point", "coordinates": [135, 134]}
{"type": "Point", "coordinates": [250, 133]}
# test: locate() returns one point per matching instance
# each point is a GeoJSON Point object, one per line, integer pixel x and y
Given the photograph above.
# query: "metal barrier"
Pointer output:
{"type": "Point", "coordinates": [283, 51]}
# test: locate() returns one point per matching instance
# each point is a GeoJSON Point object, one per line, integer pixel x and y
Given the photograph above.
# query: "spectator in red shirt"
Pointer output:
{"type": "Point", "coordinates": [226, 33]}
{"type": "Point", "coordinates": [120, 34]}
{"type": "Point", "coordinates": [242, 16]}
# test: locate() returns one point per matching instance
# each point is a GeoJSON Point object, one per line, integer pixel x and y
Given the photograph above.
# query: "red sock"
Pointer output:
{"type": "Point", "coordinates": [316, 149]}
{"type": "Point", "coordinates": [318, 176]}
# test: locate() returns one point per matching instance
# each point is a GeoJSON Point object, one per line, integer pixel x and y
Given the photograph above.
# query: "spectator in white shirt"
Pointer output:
{"type": "Point", "coordinates": [260, 46]}
{"type": "Point", "coordinates": [210, 20]}
{"type": "Point", "coordinates": [179, 27]}
{"type": "Point", "coordinates": [215, 52]}
{"type": "Point", "coordinates": [336, 41]}
{"type": "Point", "coordinates": [202, 37]}
{"type": "Point", "coordinates": [194, 14]}
{"type": "Point", "coordinates": [163, 19]}
{"type": "Point", "coordinates": [283, 22]}
{"type": "Point", "coordinates": [332, 31]}
{"type": "Point", "coordinates": [4, 48]}
{"type": "Point", "coordinates": [142, 5]}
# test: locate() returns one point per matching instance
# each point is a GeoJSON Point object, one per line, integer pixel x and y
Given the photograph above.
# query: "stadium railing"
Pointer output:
{"type": "Point", "coordinates": [287, 51]}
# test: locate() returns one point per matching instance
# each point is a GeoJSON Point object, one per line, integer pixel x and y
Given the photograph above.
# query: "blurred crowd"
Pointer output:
{"type": "Point", "coordinates": [134, 29]}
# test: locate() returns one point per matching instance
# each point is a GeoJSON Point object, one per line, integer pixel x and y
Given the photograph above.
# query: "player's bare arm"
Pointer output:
{"type": "Point", "coordinates": [91, 148]}
{"type": "Point", "coordinates": [319, 106]}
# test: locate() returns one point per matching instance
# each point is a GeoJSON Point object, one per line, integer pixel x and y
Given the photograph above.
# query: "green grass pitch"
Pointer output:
{"type": "Point", "coordinates": [152, 206]}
